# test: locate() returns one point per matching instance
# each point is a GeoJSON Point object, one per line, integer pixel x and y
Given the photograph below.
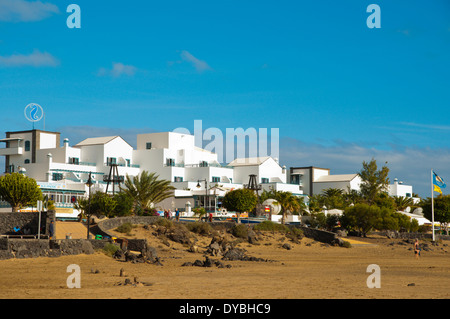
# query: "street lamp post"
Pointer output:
{"type": "Point", "coordinates": [89, 184]}
{"type": "Point", "coordinates": [206, 190]}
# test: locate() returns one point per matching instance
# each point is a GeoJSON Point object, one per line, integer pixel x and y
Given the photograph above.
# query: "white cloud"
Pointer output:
{"type": "Point", "coordinates": [199, 65]}
{"type": "Point", "coordinates": [21, 10]}
{"type": "Point", "coordinates": [411, 165]}
{"type": "Point", "coordinates": [118, 69]}
{"type": "Point", "coordinates": [35, 59]}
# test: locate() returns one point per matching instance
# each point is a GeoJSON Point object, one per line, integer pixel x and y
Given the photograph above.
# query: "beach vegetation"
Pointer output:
{"type": "Point", "coordinates": [441, 210]}
{"type": "Point", "coordinates": [240, 201]}
{"type": "Point", "coordinates": [19, 191]}
{"type": "Point", "coordinates": [146, 190]}
{"type": "Point", "coordinates": [374, 181]}
{"type": "Point", "coordinates": [125, 228]}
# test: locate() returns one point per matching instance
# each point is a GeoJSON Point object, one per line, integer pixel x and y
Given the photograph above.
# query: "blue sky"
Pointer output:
{"type": "Point", "coordinates": [339, 92]}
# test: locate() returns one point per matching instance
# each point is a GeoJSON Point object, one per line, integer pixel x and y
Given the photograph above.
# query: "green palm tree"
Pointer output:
{"type": "Point", "coordinates": [288, 203]}
{"type": "Point", "coordinates": [401, 202]}
{"type": "Point", "coordinates": [146, 190]}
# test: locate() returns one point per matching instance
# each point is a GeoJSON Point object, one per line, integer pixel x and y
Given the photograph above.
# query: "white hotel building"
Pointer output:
{"type": "Point", "coordinates": [62, 171]}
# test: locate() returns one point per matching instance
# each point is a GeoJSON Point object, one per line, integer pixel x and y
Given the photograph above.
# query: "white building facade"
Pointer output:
{"type": "Point", "coordinates": [200, 180]}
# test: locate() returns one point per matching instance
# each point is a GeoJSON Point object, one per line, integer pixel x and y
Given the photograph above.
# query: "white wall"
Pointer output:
{"type": "Point", "coordinates": [47, 140]}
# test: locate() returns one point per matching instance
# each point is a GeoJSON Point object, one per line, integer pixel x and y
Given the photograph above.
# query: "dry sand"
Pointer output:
{"type": "Point", "coordinates": [309, 270]}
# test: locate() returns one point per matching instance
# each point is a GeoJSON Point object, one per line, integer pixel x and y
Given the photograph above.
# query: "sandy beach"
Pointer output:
{"type": "Point", "coordinates": [308, 270]}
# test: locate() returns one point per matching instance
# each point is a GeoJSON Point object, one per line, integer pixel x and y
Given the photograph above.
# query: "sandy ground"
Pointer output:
{"type": "Point", "coordinates": [309, 270]}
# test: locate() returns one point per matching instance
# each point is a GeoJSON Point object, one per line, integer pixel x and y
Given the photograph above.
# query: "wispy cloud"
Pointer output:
{"type": "Point", "coordinates": [35, 59]}
{"type": "Point", "coordinates": [118, 69]}
{"type": "Point", "coordinates": [428, 126]}
{"type": "Point", "coordinates": [411, 165]}
{"type": "Point", "coordinates": [21, 10]}
{"type": "Point", "coordinates": [199, 65]}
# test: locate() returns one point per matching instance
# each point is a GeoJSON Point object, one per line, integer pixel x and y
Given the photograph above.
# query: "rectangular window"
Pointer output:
{"type": "Point", "coordinates": [264, 180]}
{"type": "Point", "coordinates": [216, 179]}
{"type": "Point", "coordinates": [74, 160]}
{"type": "Point", "coordinates": [170, 162]}
{"type": "Point", "coordinates": [111, 160]}
{"type": "Point", "coordinates": [148, 145]}
{"type": "Point", "coordinates": [178, 179]}
{"type": "Point", "coordinates": [57, 176]}
{"type": "Point", "coordinates": [27, 146]}
{"type": "Point", "coordinates": [128, 163]}
{"type": "Point", "coordinates": [203, 164]}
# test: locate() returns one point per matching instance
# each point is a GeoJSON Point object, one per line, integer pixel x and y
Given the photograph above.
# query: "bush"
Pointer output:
{"type": "Point", "coordinates": [110, 249]}
{"type": "Point", "coordinates": [124, 228]}
{"type": "Point", "coordinates": [239, 231]}
{"type": "Point", "coordinates": [270, 226]}
{"type": "Point", "coordinates": [199, 228]}
{"type": "Point", "coordinates": [346, 244]}
{"type": "Point", "coordinates": [164, 222]}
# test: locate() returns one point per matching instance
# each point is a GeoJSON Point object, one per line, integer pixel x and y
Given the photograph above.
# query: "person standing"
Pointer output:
{"type": "Point", "coordinates": [417, 248]}
{"type": "Point", "coordinates": [51, 229]}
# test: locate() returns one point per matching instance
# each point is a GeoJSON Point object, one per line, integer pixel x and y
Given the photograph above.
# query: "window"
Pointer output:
{"type": "Point", "coordinates": [27, 146]}
{"type": "Point", "coordinates": [216, 179]}
{"type": "Point", "coordinates": [111, 160]}
{"type": "Point", "coordinates": [27, 161]}
{"type": "Point", "coordinates": [74, 160]}
{"type": "Point", "coordinates": [128, 162]}
{"type": "Point", "coordinates": [57, 176]}
{"type": "Point", "coordinates": [203, 164]}
{"type": "Point", "coordinates": [148, 145]}
{"type": "Point", "coordinates": [178, 179]}
{"type": "Point", "coordinates": [295, 179]}
{"type": "Point", "coordinates": [170, 162]}
{"type": "Point", "coordinates": [264, 180]}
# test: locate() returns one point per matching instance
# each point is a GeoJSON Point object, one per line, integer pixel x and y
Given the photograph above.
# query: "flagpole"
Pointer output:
{"type": "Point", "coordinates": [432, 204]}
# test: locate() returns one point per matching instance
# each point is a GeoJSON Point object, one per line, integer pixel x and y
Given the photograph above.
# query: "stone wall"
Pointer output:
{"type": "Point", "coordinates": [32, 248]}
{"type": "Point", "coordinates": [25, 219]}
{"type": "Point", "coordinates": [319, 235]}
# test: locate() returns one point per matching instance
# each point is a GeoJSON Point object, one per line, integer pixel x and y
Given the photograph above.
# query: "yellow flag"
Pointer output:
{"type": "Point", "coordinates": [437, 189]}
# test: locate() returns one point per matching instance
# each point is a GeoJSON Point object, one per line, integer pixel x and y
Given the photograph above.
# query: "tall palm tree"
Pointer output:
{"type": "Point", "coordinates": [146, 190]}
{"type": "Point", "coordinates": [288, 203]}
{"type": "Point", "coordinates": [402, 202]}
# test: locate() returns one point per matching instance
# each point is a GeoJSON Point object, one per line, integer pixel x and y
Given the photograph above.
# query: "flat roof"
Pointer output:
{"type": "Point", "coordinates": [11, 139]}
{"type": "Point", "coordinates": [335, 178]}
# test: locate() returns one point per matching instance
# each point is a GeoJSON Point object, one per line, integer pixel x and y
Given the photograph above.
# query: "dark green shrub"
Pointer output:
{"type": "Point", "coordinates": [124, 228]}
{"type": "Point", "coordinates": [270, 226]}
{"type": "Point", "coordinates": [164, 222]}
{"type": "Point", "coordinates": [199, 228]}
{"type": "Point", "coordinates": [239, 231]}
{"type": "Point", "coordinates": [110, 249]}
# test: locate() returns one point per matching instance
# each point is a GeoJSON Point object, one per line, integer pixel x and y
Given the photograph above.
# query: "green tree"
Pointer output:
{"type": "Point", "coordinates": [240, 200]}
{"type": "Point", "coordinates": [19, 191]}
{"type": "Point", "coordinates": [402, 202]}
{"type": "Point", "coordinates": [374, 180]}
{"type": "Point", "coordinates": [124, 205]}
{"type": "Point", "coordinates": [441, 210]}
{"type": "Point", "coordinates": [102, 204]}
{"type": "Point", "coordinates": [288, 203]}
{"type": "Point", "coordinates": [333, 198]}
{"type": "Point", "coordinates": [200, 211]}
{"type": "Point", "coordinates": [315, 204]}
{"type": "Point", "coordinates": [361, 217]}
{"type": "Point", "coordinates": [146, 190]}
{"type": "Point", "coordinates": [352, 197]}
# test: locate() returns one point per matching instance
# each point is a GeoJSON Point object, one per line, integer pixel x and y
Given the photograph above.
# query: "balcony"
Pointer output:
{"type": "Point", "coordinates": [11, 151]}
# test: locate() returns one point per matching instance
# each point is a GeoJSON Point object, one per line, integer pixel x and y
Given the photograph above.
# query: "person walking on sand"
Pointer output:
{"type": "Point", "coordinates": [417, 248]}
